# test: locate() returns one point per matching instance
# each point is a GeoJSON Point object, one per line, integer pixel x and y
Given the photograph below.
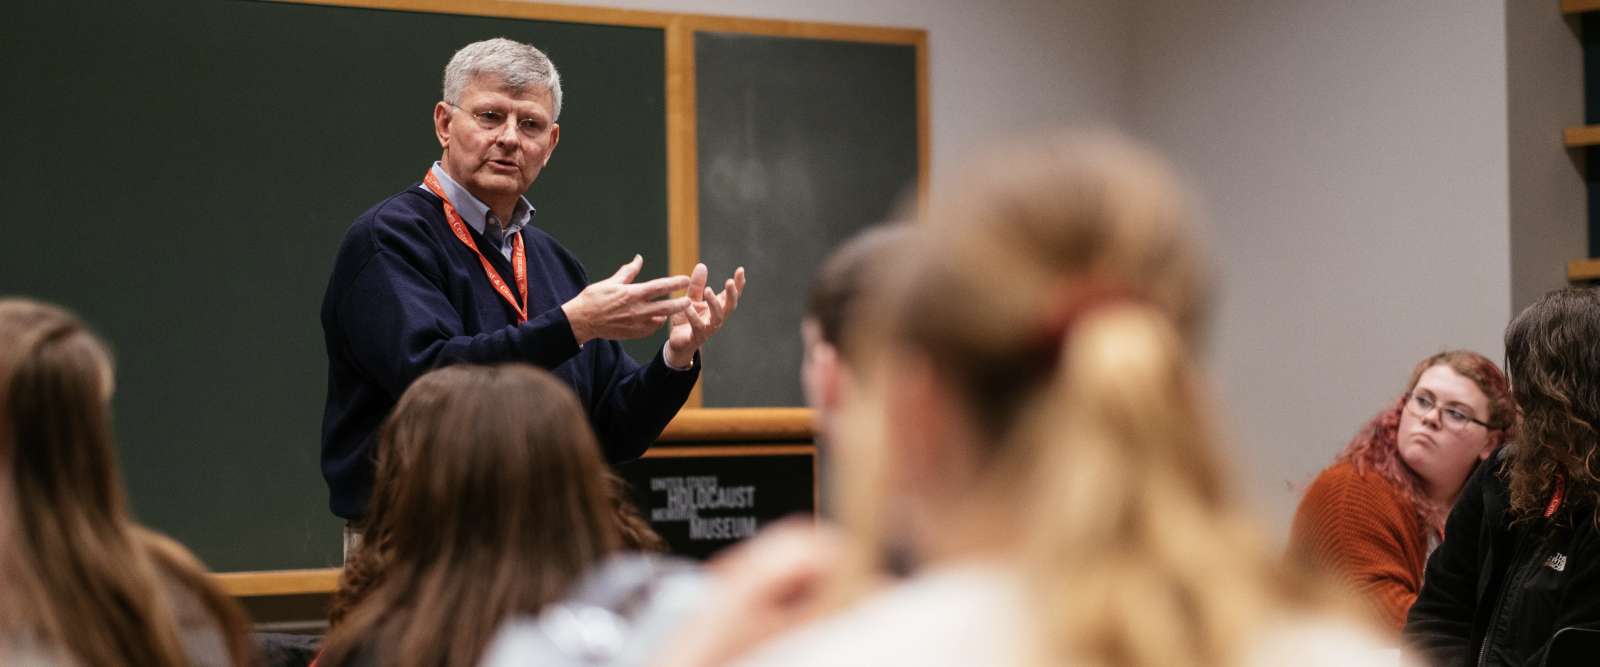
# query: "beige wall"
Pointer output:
{"type": "Point", "coordinates": [996, 68]}
{"type": "Point", "coordinates": [1353, 157]}
{"type": "Point", "coordinates": [1379, 176]}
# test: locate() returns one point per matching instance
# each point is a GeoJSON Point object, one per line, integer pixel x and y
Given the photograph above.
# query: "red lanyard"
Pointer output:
{"type": "Point", "coordinates": [1555, 500]}
{"type": "Point", "coordinates": [519, 256]}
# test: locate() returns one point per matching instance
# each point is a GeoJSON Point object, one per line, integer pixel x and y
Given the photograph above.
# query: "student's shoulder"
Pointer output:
{"type": "Point", "coordinates": [1344, 500]}
{"type": "Point", "coordinates": [955, 616]}
{"type": "Point", "coordinates": [1314, 641]}
{"type": "Point", "coordinates": [1344, 482]}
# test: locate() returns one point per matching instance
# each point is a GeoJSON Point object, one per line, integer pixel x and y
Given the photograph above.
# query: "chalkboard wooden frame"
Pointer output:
{"type": "Point", "coordinates": [683, 222]}
{"type": "Point", "coordinates": [696, 431]}
{"type": "Point", "coordinates": [724, 432]}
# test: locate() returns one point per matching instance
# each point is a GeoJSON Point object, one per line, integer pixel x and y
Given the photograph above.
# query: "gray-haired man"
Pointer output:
{"type": "Point", "coordinates": [451, 270]}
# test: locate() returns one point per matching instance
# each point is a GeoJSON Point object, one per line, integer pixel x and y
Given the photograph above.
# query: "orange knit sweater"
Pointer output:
{"type": "Point", "coordinates": [1359, 528]}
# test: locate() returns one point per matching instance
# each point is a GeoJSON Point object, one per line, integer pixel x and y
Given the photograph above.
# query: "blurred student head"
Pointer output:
{"type": "Point", "coordinates": [835, 295]}
{"type": "Point", "coordinates": [490, 500]}
{"type": "Point", "coordinates": [1057, 278]}
{"type": "Point", "coordinates": [71, 559]}
{"type": "Point", "coordinates": [1554, 363]}
{"type": "Point", "coordinates": [828, 359]}
{"type": "Point", "coordinates": [1028, 445]}
{"type": "Point", "coordinates": [1032, 397]}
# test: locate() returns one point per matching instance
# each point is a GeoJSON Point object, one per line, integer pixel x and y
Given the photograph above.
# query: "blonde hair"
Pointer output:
{"type": "Point", "coordinates": [1060, 292]}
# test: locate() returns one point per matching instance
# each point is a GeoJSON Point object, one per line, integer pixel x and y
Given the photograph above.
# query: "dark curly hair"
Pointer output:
{"type": "Point", "coordinates": [1553, 355]}
{"type": "Point", "coordinates": [1375, 448]}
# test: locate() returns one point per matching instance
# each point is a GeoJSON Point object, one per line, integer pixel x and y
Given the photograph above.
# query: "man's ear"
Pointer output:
{"type": "Point", "coordinates": [441, 124]}
{"type": "Point", "coordinates": [555, 138]}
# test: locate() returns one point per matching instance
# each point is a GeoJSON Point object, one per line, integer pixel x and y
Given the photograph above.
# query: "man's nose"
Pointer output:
{"type": "Point", "coordinates": [508, 135]}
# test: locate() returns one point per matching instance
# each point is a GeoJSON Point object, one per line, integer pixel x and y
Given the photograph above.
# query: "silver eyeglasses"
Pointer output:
{"type": "Point", "coordinates": [493, 119]}
{"type": "Point", "coordinates": [1421, 403]}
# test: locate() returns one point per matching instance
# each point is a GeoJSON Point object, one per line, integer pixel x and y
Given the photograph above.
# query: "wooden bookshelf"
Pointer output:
{"type": "Point", "coordinates": [1581, 136]}
{"type": "Point", "coordinates": [1579, 6]}
{"type": "Point", "coordinates": [1583, 270]}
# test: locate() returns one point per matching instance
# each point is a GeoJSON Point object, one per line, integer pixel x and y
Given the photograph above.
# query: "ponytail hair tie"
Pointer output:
{"type": "Point", "coordinates": [1073, 306]}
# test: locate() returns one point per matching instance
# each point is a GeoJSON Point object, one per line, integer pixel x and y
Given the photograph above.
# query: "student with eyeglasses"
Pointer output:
{"type": "Point", "coordinates": [1517, 579]}
{"type": "Point", "coordinates": [1372, 517]}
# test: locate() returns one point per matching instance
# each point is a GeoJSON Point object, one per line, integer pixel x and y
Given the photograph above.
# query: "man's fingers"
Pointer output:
{"type": "Point", "coordinates": [659, 287]}
{"type": "Point", "coordinates": [702, 328]}
{"type": "Point", "coordinates": [628, 271]}
{"type": "Point", "coordinates": [697, 281]}
{"type": "Point", "coordinates": [733, 290]}
{"type": "Point", "coordinates": [716, 309]}
{"type": "Point", "coordinates": [729, 296]}
{"type": "Point", "coordinates": [665, 307]}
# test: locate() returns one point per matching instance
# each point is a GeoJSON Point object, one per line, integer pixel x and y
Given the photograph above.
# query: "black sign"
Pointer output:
{"type": "Point", "coordinates": [702, 504]}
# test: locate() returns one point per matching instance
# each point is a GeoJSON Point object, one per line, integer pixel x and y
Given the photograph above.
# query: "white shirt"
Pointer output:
{"type": "Point", "coordinates": [974, 615]}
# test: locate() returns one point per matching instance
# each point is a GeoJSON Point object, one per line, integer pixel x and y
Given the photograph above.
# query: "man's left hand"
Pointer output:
{"type": "Point", "coordinates": [705, 314]}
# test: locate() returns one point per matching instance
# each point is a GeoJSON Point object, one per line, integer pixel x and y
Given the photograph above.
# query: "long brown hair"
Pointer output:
{"type": "Point", "coordinates": [414, 421]}
{"type": "Point", "coordinates": [80, 577]}
{"type": "Point", "coordinates": [1060, 291]}
{"type": "Point", "coordinates": [634, 530]}
{"type": "Point", "coordinates": [1554, 362]}
{"type": "Point", "coordinates": [489, 501]}
{"type": "Point", "coordinates": [1375, 448]}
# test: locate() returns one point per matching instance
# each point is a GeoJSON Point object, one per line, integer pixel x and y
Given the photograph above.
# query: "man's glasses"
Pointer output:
{"type": "Point", "coordinates": [1420, 404]}
{"type": "Point", "coordinates": [492, 119]}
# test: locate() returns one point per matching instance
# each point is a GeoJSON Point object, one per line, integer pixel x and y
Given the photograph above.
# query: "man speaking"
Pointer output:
{"type": "Point", "coordinates": [453, 270]}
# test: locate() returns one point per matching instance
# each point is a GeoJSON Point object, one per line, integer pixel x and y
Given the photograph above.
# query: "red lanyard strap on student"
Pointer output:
{"type": "Point", "coordinates": [1557, 497]}
{"type": "Point", "coordinates": [519, 256]}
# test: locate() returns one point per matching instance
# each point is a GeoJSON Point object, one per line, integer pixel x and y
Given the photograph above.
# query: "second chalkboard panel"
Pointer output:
{"type": "Point", "coordinates": [801, 142]}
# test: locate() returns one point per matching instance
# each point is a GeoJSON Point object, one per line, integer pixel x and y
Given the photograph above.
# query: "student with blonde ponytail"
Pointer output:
{"type": "Point", "coordinates": [80, 582]}
{"type": "Point", "coordinates": [1030, 429]}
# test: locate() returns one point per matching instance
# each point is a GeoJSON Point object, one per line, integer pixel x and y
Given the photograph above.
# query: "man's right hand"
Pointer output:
{"type": "Point", "coordinates": [618, 309]}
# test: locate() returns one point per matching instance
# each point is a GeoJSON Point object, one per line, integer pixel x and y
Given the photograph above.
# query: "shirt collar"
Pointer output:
{"type": "Point", "coordinates": [476, 212]}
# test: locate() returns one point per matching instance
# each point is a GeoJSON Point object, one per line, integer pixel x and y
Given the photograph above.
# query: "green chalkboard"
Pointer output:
{"type": "Point", "coordinates": [802, 142]}
{"type": "Point", "coordinates": [180, 173]}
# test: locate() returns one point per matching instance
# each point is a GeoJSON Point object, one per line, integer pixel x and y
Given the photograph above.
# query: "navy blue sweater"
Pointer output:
{"type": "Point", "coordinates": [407, 297]}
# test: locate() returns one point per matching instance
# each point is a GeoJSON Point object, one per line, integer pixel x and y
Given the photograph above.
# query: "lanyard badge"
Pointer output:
{"type": "Point", "coordinates": [519, 255]}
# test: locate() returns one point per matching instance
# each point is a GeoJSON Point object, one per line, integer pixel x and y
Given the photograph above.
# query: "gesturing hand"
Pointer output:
{"type": "Point", "coordinates": [618, 309]}
{"type": "Point", "coordinates": [705, 313]}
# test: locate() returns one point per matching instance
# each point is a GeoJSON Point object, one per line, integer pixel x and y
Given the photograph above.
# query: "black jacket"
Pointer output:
{"type": "Point", "coordinates": [1496, 593]}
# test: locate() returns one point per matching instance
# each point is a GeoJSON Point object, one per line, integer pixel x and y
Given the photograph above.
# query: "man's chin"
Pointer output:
{"type": "Point", "coordinates": [499, 186]}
